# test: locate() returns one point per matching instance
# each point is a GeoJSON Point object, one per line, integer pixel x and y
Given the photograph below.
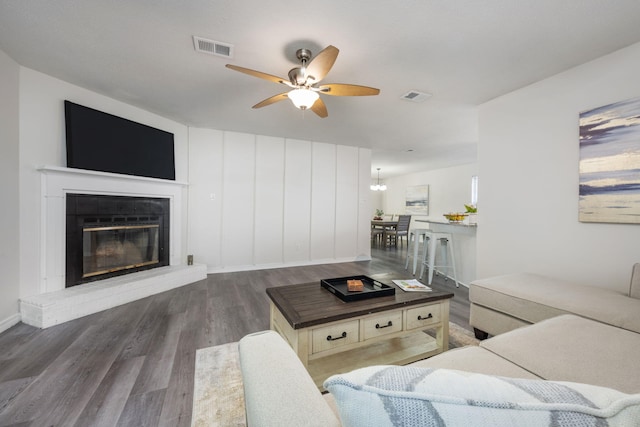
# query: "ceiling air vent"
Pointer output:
{"type": "Point", "coordinates": [213, 47]}
{"type": "Point", "coordinates": [416, 96]}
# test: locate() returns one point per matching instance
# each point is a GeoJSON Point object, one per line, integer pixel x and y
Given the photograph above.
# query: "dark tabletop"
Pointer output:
{"type": "Point", "coordinates": [310, 304]}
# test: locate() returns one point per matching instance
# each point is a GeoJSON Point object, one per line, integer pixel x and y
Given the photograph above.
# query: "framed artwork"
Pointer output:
{"type": "Point", "coordinates": [610, 163]}
{"type": "Point", "coordinates": [417, 200]}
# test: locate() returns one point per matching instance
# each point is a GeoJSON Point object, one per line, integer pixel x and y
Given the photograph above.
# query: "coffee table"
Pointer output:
{"type": "Point", "coordinates": [331, 336]}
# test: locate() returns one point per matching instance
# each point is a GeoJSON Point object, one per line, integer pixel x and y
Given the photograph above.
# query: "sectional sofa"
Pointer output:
{"type": "Point", "coordinates": [565, 354]}
{"type": "Point", "coordinates": [562, 369]}
{"type": "Point", "coordinates": [503, 303]}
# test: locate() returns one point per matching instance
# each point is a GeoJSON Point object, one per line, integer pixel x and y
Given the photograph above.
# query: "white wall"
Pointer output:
{"type": "Point", "coordinates": [377, 202]}
{"type": "Point", "coordinates": [528, 167]}
{"type": "Point", "coordinates": [42, 142]}
{"type": "Point", "coordinates": [9, 192]}
{"type": "Point", "coordinates": [449, 191]}
{"type": "Point", "coordinates": [260, 202]}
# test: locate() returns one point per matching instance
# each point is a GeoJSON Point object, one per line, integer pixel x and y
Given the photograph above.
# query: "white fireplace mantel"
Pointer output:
{"type": "Point", "coordinates": [56, 304]}
{"type": "Point", "coordinates": [58, 181]}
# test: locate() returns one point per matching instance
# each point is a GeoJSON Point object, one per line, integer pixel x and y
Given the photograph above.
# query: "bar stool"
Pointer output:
{"type": "Point", "coordinates": [429, 254]}
{"type": "Point", "coordinates": [414, 235]}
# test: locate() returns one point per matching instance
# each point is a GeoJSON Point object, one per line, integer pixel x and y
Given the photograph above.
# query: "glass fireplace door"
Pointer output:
{"type": "Point", "coordinates": [118, 247]}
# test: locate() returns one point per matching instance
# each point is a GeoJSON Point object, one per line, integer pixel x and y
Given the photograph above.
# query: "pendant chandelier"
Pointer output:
{"type": "Point", "coordinates": [378, 186]}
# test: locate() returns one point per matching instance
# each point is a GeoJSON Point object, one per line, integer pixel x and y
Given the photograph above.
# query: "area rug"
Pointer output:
{"type": "Point", "coordinates": [459, 336]}
{"type": "Point", "coordinates": [218, 397]}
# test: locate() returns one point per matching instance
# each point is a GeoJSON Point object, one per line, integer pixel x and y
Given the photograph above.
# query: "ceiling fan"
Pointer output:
{"type": "Point", "coordinates": [304, 80]}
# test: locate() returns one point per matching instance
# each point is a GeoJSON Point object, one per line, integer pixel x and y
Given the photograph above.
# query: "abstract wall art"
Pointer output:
{"type": "Point", "coordinates": [610, 163]}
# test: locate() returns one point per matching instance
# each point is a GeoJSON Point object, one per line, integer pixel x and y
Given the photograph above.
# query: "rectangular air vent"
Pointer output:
{"type": "Point", "coordinates": [213, 47]}
{"type": "Point", "coordinates": [416, 96]}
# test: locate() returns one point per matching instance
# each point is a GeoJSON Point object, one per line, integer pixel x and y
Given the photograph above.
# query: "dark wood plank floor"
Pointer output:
{"type": "Point", "coordinates": [133, 365]}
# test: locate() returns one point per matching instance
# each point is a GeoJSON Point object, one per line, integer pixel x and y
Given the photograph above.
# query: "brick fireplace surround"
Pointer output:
{"type": "Point", "coordinates": [56, 304]}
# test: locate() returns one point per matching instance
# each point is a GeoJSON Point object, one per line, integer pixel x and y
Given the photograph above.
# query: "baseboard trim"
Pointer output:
{"type": "Point", "coordinates": [251, 267]}
{"type": "Point", "coordinates": [9, 322]}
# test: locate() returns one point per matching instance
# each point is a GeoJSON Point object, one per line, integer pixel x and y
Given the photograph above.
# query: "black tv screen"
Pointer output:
{"type": "Point", "coordinates": [102, 142]}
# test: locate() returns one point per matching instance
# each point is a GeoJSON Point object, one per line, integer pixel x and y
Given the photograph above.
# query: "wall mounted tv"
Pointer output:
{"type": "Point", "coordinates": [102, 142]}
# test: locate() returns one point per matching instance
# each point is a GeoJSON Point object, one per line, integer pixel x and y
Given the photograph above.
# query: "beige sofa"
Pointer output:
{"type": "Point", "coordinates": [280, 392]}
{"type": "Point", "coordinates": [501, 304]}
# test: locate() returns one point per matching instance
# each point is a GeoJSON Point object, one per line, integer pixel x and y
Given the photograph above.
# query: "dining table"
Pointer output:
{"type": "Point", "coordinates": [383, 225]}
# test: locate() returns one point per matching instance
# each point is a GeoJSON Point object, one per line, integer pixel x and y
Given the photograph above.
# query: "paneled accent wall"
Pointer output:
{"type": "Point", "coordinates": [269, 199]}
{"type": "Point", "coordinates": [323, 203]}
{"type": "Point", "coordinates": [261, 202]}
{"type": "Point", "coordinates": [238, 199]}
{"type": "Point", "coordinates": [297, 201]}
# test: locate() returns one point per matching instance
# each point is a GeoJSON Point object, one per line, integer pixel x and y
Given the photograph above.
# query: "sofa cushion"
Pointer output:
{"type": "Point", "coordinates": [533, 298]}
{"type": "Point", "coordinates": [634, 287]}
{"type": "Point", "coordinates": [475, 359]}
{"type": "Point", "coordinates": [413, 396]}
{"type": "Point", "coordinates": [493, 322]}
{"type": "Point", "coordinates": [571, 348]}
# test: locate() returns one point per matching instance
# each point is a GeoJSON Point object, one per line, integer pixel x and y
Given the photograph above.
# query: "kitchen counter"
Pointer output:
{"type": "Point", "coordinates": [458, 224]}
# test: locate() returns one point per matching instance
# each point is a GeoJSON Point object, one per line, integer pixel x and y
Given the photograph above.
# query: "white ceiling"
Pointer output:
{"type": "Point", "coordinates": [464, 52]}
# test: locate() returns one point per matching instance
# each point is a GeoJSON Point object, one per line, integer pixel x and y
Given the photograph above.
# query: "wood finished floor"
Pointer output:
{"type": "Point", "coordinates": [133, 365]}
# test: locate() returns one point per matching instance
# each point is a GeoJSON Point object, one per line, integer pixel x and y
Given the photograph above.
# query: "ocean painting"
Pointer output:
{"type": "Point", "coordinates": [610, 163]}
{"type": "Point", "coordinates": [417, 201]}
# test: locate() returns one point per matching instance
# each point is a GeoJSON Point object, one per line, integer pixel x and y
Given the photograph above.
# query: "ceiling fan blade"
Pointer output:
{"type": "Point", "coordinates": [339, 89]}
{"type": "Point", "coordinates": [258, 74]}
{"type": "Point", "coordinates": [272, 100]}
{"type": "Point", "coordinates": [319, 108]}
{"type": "Point", "coordinates": [322, 63]}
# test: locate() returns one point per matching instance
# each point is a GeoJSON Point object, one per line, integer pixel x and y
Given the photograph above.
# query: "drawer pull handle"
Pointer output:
{"type": "Point", "coordinates": [329, 338]}
{"type": "Point", "coordinates": [385, 326]}
{"type": "Point", "coordinates": [425, 318]}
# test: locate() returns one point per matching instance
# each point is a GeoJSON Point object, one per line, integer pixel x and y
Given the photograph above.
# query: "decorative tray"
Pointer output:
{"type": "Point", "coordinates": [371, 288]}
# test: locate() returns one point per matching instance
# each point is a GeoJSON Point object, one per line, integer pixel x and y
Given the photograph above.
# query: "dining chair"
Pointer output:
{"type": "Point", "coordinates": [391, 235]}
{"type": "Point", "coordinates": [377, 233]}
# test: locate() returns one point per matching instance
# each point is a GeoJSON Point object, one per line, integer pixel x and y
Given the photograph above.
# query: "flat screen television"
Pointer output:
{"type": "Point", "coordinates": [103, 142]}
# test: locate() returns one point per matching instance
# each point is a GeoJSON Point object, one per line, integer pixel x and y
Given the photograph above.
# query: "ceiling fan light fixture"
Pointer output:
{"type": "Point", "coordinates": [303, 98]}
{"type": "Point", "coordinates": [303, 80]}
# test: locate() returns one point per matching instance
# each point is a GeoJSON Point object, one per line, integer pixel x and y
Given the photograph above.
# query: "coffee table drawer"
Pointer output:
{"type": "Point", "coordinates": [423, 316]}
{"type": "Point", "coordinates": [334, 336]}
{"type": "Point", "coordinates": [383, 324]}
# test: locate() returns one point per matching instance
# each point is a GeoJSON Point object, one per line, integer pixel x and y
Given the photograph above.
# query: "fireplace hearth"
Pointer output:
{"type": "Point", "coordinates": [108, 236]}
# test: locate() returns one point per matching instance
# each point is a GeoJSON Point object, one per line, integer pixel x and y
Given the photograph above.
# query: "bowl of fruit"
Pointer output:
{"type": "Point", "coordinates": [455, 217]}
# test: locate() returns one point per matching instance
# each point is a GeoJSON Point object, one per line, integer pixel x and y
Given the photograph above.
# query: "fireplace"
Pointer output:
{"type": "Point", "coordinates": [48, 302]}
{"type": "Point", "coordinates": [109, 236]}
